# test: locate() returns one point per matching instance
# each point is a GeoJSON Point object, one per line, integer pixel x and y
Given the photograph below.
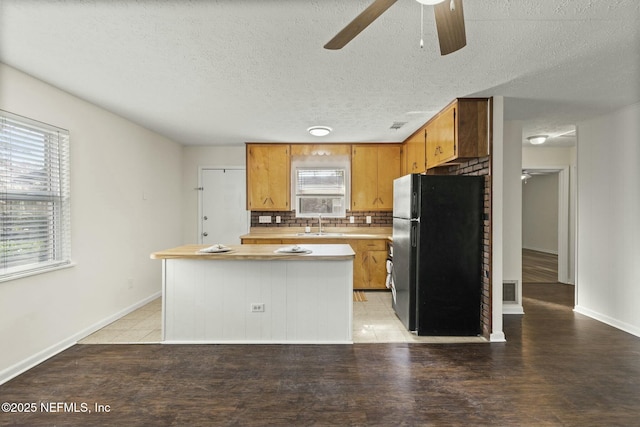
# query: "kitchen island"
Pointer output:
{"type": "Point", "coordinates": [253, 294]}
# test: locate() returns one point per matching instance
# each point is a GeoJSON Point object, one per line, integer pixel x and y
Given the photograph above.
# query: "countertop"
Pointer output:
{"type": "Point", "coordinates": [328, 233]}
{"type": "Point", "coordinates": [259, 252]}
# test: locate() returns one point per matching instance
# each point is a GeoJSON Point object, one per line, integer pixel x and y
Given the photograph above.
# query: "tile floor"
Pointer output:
{"type": "Point", "coordinates": [374, 321]}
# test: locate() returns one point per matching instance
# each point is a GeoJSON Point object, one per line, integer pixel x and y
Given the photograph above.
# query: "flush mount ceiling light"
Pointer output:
{"type": "Point", "coordinates": [537, 139]}
{"type": "Point", "coordinates": [430, 2]}
{"type": "Point", "coordinates": [319, 130]}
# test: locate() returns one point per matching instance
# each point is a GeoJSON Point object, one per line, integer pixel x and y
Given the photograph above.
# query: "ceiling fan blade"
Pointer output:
{"type": "Point", "coordinates": [360, 22]}
{"type": "Point", "coordinates": [450, 25]}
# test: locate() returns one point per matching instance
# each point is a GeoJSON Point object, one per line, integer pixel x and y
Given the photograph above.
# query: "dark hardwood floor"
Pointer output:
{"type": "Point", "coordinates": [557, 368]}
{"type": "Point", "coordinates": [539, 267]}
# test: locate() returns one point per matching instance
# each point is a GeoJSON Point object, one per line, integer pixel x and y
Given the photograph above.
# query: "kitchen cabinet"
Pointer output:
{"type": "Point", "coordinates": [251, 294]}
{"type": "Point", "coordinates": [459, 132]}
{"type": "Point", "coordinates": [261, 241]}
{"type": "Point", "coordinates": [373, 169]}
{"type": "Point", "coordinates": [320, 150]}
{"type": "Point", "coordinates": [370, 264]}
{"type": "Point", "coordinates": [268, 177]}
{"type": "Point", "coordinates": [414, 152]}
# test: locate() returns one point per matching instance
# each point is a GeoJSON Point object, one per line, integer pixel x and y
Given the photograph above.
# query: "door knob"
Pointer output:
{"type": "Point", "coordinates": [205, 218]}
{"type": "Point", "coordinates": [205, 234]}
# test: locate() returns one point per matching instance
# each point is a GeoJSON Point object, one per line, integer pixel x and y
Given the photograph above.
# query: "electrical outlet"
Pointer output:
{"type": "Point", "coordinates": [264, 219]}
{"type": "Point", "coordinates": [352, 220]}
{"type": "Point", "coordinates": [278, 219]}
{"type": "Point", "coordinates": [368, 219]}
{"type": "Point", "coordinates": [257, 307]}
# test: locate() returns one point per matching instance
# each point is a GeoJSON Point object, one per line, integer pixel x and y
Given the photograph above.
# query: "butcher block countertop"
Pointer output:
{"type": "Point", "coordinates": [328, 233]}
{"type": "Point", "coordinates": [259, 252]}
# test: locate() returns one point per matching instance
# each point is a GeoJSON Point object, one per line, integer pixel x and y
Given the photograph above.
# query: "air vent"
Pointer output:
{"type": "Point", "coordinates": [397, 125]}
{"type": "Point", "coordinates": [509, 292]}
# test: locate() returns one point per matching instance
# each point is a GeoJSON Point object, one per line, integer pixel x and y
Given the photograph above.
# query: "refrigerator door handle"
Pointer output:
{"type": "Point", "coordinates": [414, 205]}
{"type": "Point", "coordinates": [414, 235]}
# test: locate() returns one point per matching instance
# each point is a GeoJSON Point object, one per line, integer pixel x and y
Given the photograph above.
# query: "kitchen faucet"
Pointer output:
{"type": "Point", "coordinates": [319, 223]}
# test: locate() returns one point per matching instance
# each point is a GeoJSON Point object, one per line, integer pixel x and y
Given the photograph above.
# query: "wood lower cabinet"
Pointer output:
{"type": "Point", "coordinates": [261, 241]}
{"type": "Point", "coordinates": [373, 169]}
{"type": "Point", "coordinates": [369, 265]}
{"type": "Point", "coordinates": [268, 177]}
{"type": "Point", "coordinates": [459, 132]}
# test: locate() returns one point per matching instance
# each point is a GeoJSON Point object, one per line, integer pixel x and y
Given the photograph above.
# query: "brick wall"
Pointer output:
{"type": "Point", "coordinates": [288, 219]}
{"type": "Point", "coordinates": [480, 167]}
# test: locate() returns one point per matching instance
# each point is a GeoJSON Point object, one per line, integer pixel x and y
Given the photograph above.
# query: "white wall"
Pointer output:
{"type": "Point", "coordinates": [608, 276]}
{"type": "Point", "coordinates": [548, 157]}
{"type": "Point", "coordinates": [195, 157]}
{"type": "Point", "coordinates": [540, 213]}
{"type": "Point", "coordinates": [497, 204]}
{"type": "Point", "coordinates": [512, 220]}
{"type": "Point", "coordinates": [125, 189]}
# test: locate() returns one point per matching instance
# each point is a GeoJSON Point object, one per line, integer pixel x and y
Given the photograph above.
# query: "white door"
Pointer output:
{"type": "Point", "coordinates": [223, 215]}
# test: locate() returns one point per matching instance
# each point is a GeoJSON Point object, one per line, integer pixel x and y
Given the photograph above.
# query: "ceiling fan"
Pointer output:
{"type": "Point", "coordinates": [449, 23]}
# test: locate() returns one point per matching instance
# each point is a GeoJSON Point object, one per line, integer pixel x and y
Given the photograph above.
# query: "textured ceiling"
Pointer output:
{"type": "Point", "coordinates": [225, 72]}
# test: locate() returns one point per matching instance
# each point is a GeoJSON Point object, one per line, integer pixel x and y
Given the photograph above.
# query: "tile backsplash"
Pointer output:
{"type": "Point", "coordinates": [288, 219]}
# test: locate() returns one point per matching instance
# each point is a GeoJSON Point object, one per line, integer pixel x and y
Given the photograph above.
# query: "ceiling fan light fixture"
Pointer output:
{"type": "Point", "coordinates": [430, 2]}
{"type": "Point", "coordinates": [319, 130]}
{"type": "Point", "coordinates": [537, 139]}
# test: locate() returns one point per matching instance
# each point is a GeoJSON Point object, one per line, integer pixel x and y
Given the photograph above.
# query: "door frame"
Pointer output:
{"type": "Point", "coordinates": [200, 190]}
{"type": "Point", "coordinates": [564, 219]}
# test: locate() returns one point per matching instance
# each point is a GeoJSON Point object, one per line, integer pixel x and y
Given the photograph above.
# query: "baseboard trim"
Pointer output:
{"type": "Point", "coordinates": [28, 363]}
{"type": "Point", "coordinates": [497, 337]}
{"type": "Point", "coordinates": [544, 251]}
{"type": "Point", "coordinates": [623, 326]}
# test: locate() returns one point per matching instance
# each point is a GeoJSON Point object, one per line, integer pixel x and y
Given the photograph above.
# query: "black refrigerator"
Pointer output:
{"type": "Point", "coordinates": [437, 253]}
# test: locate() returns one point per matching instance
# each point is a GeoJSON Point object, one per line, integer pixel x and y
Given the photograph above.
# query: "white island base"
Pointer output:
{"type": "Point", "coordinates": [213, 298]}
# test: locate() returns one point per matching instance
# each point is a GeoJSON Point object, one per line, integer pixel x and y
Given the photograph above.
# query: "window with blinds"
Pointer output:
{"type": "Point", "coordinates": [320, 191]}
{"type": "Point", "coordinates": [34, 197]}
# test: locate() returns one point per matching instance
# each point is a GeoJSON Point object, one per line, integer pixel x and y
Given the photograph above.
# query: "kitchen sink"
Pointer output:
{"type": "Point", "coordinates": [321, 234]}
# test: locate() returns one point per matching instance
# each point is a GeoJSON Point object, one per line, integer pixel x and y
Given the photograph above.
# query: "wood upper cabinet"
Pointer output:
{"type": "Point", "coordinates": [459, 132]}
{"type": "Point", "coordinates": [268, 177]}
{"type": "Point", "coordinates": [320, 150]}
{"type": "Point", "coordinates": [414, 152]}
{"type": "Point", "coordinates": [373, 169]}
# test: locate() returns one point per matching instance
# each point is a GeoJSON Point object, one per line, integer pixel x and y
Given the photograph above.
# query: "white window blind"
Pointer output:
{"type": "Point", "coordinates": [320, 181]}
{"type": "Point", "coordinates": [34, 197]}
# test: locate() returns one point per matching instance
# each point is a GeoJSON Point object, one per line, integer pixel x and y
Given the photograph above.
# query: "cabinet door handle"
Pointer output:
{"type": "Point", "coordinates": [265, 201]}
{"type": "Point", "coordinates": [381, 201]}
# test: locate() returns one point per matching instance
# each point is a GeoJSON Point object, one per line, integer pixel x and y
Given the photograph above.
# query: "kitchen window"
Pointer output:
{"type": "Point", "coordinates": [320, 190]}
{"type": "Point", "coordinates": [34, 197]}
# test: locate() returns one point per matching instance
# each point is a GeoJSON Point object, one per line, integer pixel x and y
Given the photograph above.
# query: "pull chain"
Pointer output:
{"type": "Point", "coordinates": [421, 26]}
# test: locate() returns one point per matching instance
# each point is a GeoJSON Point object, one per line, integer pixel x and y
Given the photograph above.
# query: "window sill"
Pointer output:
{"type": "Point", "coordinates": [19, 275]}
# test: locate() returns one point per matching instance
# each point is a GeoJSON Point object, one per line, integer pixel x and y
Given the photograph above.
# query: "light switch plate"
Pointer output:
{"type": "Point", "coordinates": [368, 219]}
{"type": "Point", "coordinates": [352, 220]}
